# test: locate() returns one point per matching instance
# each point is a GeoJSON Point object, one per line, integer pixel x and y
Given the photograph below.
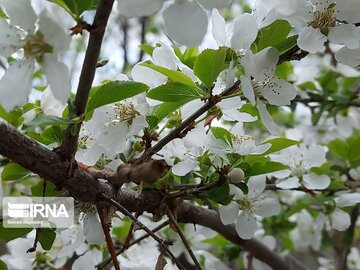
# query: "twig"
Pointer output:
{"type": "Point", "coordinates": [142, 226]}
{"type": "Point", "coordinates": [109, 242]}
{"type": "Point", "coordinates": [175, 132]}
{"type": "Point", "coordinates": [198, 189]}
{"type": "Point", "coordinates": [143, 21]}
{"type": "Point", "coordinates": [123, 24]}
{"type": "Point", "coordinates": [69, 145]}
{"type": "Point", "coordinates": [250, 258]}
{"type": "Point", "coordinates": [105, 262]}
{"type": "Point", "coordinates": [306, 101]}
{"type": "Point", "coordinates": [183, 239]}
{"type": "Point", "coordinates": [294, 54]}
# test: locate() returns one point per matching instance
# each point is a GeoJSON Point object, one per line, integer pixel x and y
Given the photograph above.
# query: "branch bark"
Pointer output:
{"type": "Point", "coordinates": [84, 187]}
{"type": "Point", "coordinates": [87, 75]}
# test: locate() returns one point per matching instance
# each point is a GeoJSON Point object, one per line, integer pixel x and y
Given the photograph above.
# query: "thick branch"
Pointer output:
{"type": "Point", "coordinates": [87, 75]}
{"type": "Point", "coordinates": [84, 187]}
{"type": "Point", "coordinates": [38, 159]}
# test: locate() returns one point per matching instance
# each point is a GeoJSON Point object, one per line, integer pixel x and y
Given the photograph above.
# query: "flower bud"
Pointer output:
{"type": "Point", "coordinates": [236, 175]}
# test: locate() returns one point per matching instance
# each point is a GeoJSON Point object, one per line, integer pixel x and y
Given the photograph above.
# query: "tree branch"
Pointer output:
{"type": "Point", "coordinates": [68, 148]}
{"type": "Point", "coordinates": [83, 187]}
{"type": "Point", "coordinates": [174, 223]}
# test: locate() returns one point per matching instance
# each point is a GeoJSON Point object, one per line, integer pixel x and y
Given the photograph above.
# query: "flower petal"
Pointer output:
{"type": "Point", "coordinates": [246, 225]}
{"type": "Point", "coordinates": [345, 34]}
{"type": "Point", "coordinates": [350, 57]}
{"type": "Point", "coordinates": [184, 167]}
{"type": "Point", "coordinates": [228, 213]}
{"type": "Point", "coordinates": [288, 183]}
{"type": "Point", "coordinates": [349, 199]}
{"type": "Point", "coordinates": [50, 105]}
{"type": "Point", "coordinates": [243, 35]}
{"type": "Point", "coordinates": [267, 119]}
{"type": "Point", "coordinates": [209, 4]}
{"type": "Point", "coordinates": [185, 22]}
{"type": "Point", "coordinates": [311, 40]}
{"type": "Point", "coordinates": [57, 74]}
{"type": "Point", "coordinates": [53, 33]}
{"type": "Point", "coordinates": [247, 89]}
{"type": "Point", "coordinates": [219, 28]}
{"type": "Point", "coordinates": [315, 181]}
{"type": "Point", "coordinates": [265, 63]}
{"type": "Point", "coordinates": [279, 92]}
{"type": "Point", "coordinates": [267, 207]}
{"type": "Point", "coordinates": [20, 13]}
{"type": "Point", "coordinates": [256, 185]}
{"type": "Point", "coordinates": [9, 39]}
{"type": "Point", "coordinates": [16, 83]}
{"type": "Point", "coordinates": [340, 220]}
{"type": "Point", "coordinates": [92, 230]}
{"type": "Point", "coordinates": [139, 8]}
{"type": "Point", "coordinates": [314, 156]}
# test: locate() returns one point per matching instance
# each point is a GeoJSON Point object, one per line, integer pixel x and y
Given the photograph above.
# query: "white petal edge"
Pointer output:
{"type": "Point", "coordinates": [228, 213]}
{"type": "Point", "coordinates": [315, 181]}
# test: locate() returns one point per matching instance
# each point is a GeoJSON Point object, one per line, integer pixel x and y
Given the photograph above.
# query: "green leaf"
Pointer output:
{"type": "Point", "coordinates": [3, 16]}
{"type": "Point", "coordinates": [221, 133]}
{"type": "Point", "coordinates": [278, 144]}
{"type": "Point", "coordinates": [147, 48]}
{"type": "Point", "coordinates": [3, 266]}
{"type": "Point", "coordinates": [46, 238]}
{"type": "Point", "coordinates": [173, 75]}
{"type": "Point", "coordinates": [13, 117]}
{"type": "Point", "coordinates": [161, 111]}
{"type": "Point", "coordinates": [339, 148]}
{"type": "Point", "coordinates": [209, 64]}
{"type": "Point", "coordinates": [47, 120]}
{"type": "Point", "coordinates": [176, 92]}
{"type": "Point", "coordinates": [76, 7]}
{"type": "Point", "coordinates": [113, 92]}
{"type": "Point", "coordinates": [297, 208]}
{"type": "Point", "coordinates": [287, 44]}
{"type": "Point", "coordinates": [54, 134]}
{"type": "Point", "coordinates": [14, 171]}
{"type": "Point", "coordinates": [220, 194]}
{"type": "Point", "coordinates": [188, 57]}
{"type": "Point", "coordinates": [273, 34]}
{"type": "Point", "coordinates": [354, 146]}
{"type": "Point", "coordinates": [7, 234]}
{"type": "Point", "coordinates": [261, 168]}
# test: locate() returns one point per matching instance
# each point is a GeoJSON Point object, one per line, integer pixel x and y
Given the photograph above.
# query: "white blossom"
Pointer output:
{"type": "Point", "coordinates": [245, 207]}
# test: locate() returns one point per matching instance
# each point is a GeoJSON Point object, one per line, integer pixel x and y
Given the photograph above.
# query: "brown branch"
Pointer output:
{"type": "Point", "coordinates": [105, 262]}
{"type": "Point", "coordinates": [174, 223]}
{"type": "Point", "coordinates": [161, 242]}
{"type": "Point", "coordinates": [124, 27]}
{"type": "Point", "coordinates": [83, 187]}
{"type": "Point", "coordinates": [293, 54]}
{"type": "Point", "coordinates": [109, 242]}
{"type": "Point", "coordinates": [306, 101]}
{"type": "Point", "coordinates": [68, 148]}
{"type": "Point", "coordinates": [189, 213]}
{"type": "Point", "coordinates": [143, 21]}
{"type": "Point", "coordinates": [40, 160]}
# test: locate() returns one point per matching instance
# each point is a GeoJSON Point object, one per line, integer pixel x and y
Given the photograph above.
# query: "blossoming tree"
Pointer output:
{"type": "Point", "coordinates": [224, 135]}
